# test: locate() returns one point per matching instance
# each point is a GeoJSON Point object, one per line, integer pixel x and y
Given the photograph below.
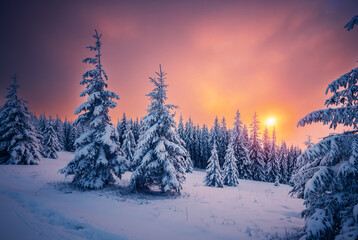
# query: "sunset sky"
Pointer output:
{"type": "Point", "coordinates": [272, 57]}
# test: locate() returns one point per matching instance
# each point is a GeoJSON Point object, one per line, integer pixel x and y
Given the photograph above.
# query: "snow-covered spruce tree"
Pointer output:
{"type": "Point", "coordinates": [196, 147]}
{"type": "Point", "coordinates": [266, 152]}
{"type": "Point", "coordinates": [181, 129]}
{"type": "Point", "coordinates": [18, 142]}
{"type": "Point", "coordinates": [136, 129]}
{"type": "Point", "coordinates": [255, 151]}
{"type": "Point", "coordinates": [328, 178]}
{"type": "Point", "coordinates": [223, 141]}
{"type": "Point", "coordinates": [204, 146]}
{"type": "Point", "coordinates": [58, 126]}
{"type": "Point", "coordinates": [189, 137]}
{"type": "Point", "coordinates": [128, 146]}
{"type": "Point", "coordinates": [160, 156]}
{"type": "Point", "coordinates": [283, 161]}
{"type": "Point", "coordinates": [214, 133]}
{"type": "Point", "coordinates": [121, 128]}
{"type": "Point", "coordinates": [213, 176]}
{"type": "Point", "coordinates": [98, 156]}
{"type": "Point", "coordinates": [51, 143]}
{"type": "Point", "coordinates": [240, 148]}
{"type": "Point", "coordinates": [273, 166]}
{"type": "Point", "coordinates": [230, 174]}
{"type": "Point", "coordinates": [246, 168]}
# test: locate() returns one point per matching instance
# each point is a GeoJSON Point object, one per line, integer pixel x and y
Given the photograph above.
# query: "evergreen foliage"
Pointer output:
{"type": "Point", "coordinates": [230, 175]}
{"type": "Point", "coordinates": [213, 176]}
{"type": "Point", "coordinates": [255, 151]}
{"type": "Point", "coordinates": [51, 142]}
{"type": "Point", "coordinates": [98, 156]}
{"type": "Point", "coordinates": [161, 157]}
{"type": "Point", "coordinates": [18, 142]}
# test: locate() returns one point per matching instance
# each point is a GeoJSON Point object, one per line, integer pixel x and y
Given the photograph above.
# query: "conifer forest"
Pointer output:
{"type": "Point", "coordinates": [179, 120]}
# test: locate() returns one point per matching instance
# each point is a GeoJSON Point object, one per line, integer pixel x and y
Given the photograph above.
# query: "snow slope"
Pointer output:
{"type": "Point", "coordinates": [37, 203]}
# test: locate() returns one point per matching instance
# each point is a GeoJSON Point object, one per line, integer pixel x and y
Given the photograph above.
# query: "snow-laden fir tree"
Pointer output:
{"type": "Point", "coordinates": [266, 152]}
{"type": "Point", "coordinates": [214, 133]}
{"type": "Point", "coordinates": [180, 128]}
{"type": "Point", "coordinates": [204, 146]}
{"type": "Point", "coordinates": [273, 167]}
{"type": "Point", "coordinates": [18, 142]}
{"type": "Point", "coordinates": [40, 129]}
{"type": "Point", "coordinates": [121, 128]}
{"type": "Point", "coordinates": [98, 156]}
{"type": "Point", "coordinates": [67, 132]}
{"type": "Point", "coordinates": [328, 178]}
{"type": "Point", "coordinates": [196, 147]}
{"type": "Point", "coordinates": [128, 146]}
{"type": "Point", "coordinates": [58, 126]}
{"type": "Point", "coordinates": [230, 174]}
{"type": "Point", "coordinates": [283, 161]}
{"type": "Point", "coordinates": [136, 129]}
{"type": "Point", "coordinates": [223, 141]}
{"type": "Point", "coordinates": [51, 143]}
{"type": "Point", "coordinates": [189, 137]}
{"type": "Point", "coordinates": [244, 161]}
{"type": "Point", "coordinates": [160, 157]}
{"type": "Point", "coordinates": [255, 151]}
{"type": "Point", "coordinates": [213, 177]}
{"type": "Point", "coordinates": [240, 148]}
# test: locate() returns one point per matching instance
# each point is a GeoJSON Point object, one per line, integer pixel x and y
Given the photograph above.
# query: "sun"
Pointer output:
{"type": "Point", "coordinates": [270, 121]}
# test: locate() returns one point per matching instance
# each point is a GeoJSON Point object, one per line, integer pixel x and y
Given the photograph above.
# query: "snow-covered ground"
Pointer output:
{"type": "Point", "coordinates": [37, 203]}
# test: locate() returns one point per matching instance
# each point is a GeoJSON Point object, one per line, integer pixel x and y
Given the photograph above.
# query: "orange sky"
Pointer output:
{"type": "Point", "coordinates": [272, 57]}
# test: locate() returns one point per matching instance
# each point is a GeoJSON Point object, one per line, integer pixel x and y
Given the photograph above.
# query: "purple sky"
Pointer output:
{"type": "Point", "coordinates": [273, 57]}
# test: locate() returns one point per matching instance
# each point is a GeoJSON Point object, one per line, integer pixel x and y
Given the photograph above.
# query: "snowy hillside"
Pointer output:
{"type": "Point", "coordinates": [37, 203]}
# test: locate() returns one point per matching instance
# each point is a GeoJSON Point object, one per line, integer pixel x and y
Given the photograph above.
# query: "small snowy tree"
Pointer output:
{"type": "Point", "coordinates": [98, 155]}
{"type": "Point", "coordinates": [213, 176]}
{"type": "Point", "coordinates": [18, 142]}
{"type": "Point", "coordinates": [160, 155]}
{"type": "Point", "coordinates": [231, 175]}
{"type": "Point", "coordinates": [51, 143]}
{"type": "Point", "coordinates": [128, 146]}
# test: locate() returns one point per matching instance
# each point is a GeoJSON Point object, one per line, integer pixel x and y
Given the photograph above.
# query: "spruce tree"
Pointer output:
{"type": "Point", "coordinates": [255, 151]}
{"type": "Point", "coordinates": [204, 146]}
{"type": "Point", "coordinates": [189, 137]}
{"type": "Point", "coordinates": [161, 157]}
{"type": "Point", "coordinates": [328, 177]}
{"type": "Point", "coordinates": [230, 175]}
{"type": "Point", "coordinates": [244, 161]}
{"type": "Point", "coordinates": [181, 129]}
{"type": "Point", "coordinates": [98, 156]}
{"type": "Point", "coordinates": [51, 142]}
{"type": "Point", "coordinates": [213, 176]}
{"type": "Point", "coordinates": [58, 126]}
{"type": "Point", "coordinates": [136, 129]}
{"type": "Point", "coordinates": [121, 128]}
{"type": "Point", "coordinates": [18, 142]}
{"type": "Point", "coordinates": [266, 149]}
{"type": "Point", "coordinates": [273, 167]}
{"type": "Point", "coordinates": [283, 160]}
{"type": "Point", "coordinates": [240, 148]}
{"type": "Point", "coordinates": [223, 141]}
{"type": "Point", "coordinates": [128, 146]}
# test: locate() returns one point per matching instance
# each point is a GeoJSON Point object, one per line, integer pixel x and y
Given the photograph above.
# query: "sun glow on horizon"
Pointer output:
{"type": "Point", "coordinates": [271, 121]}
